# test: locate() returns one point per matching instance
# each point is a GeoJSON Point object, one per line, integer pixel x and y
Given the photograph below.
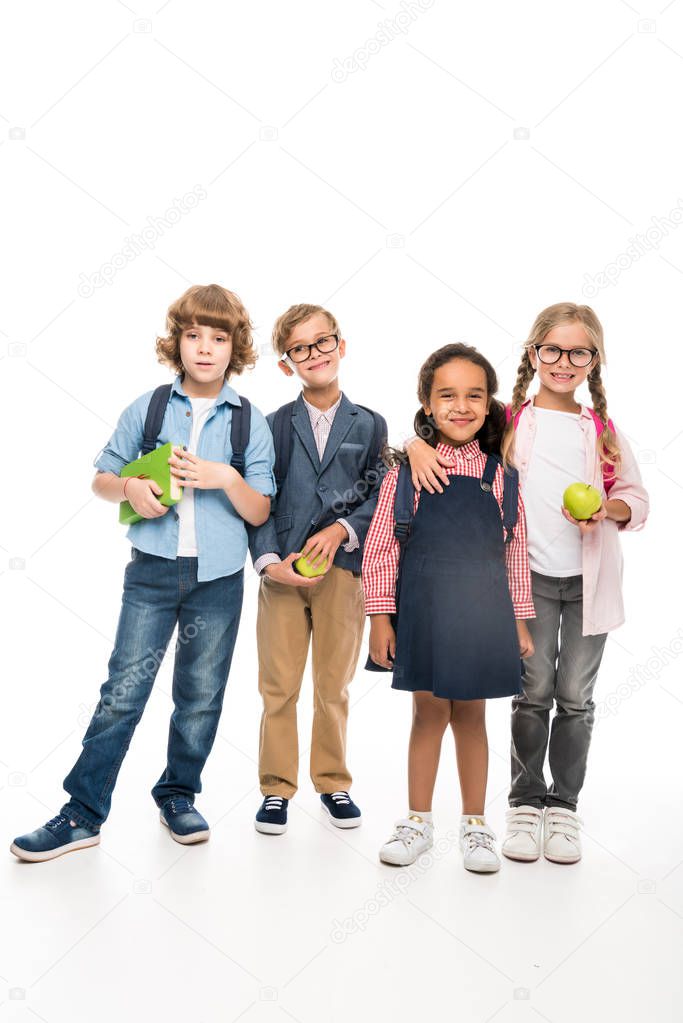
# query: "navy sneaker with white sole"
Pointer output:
{"type": "Point", "coordinates": [185, 823]}
{"type": "Point", "coordinates": [341, 809]}
{"type": "Point", "coordinates": [271, 818]}
{"type": "Point", "coordinates": [60, 835]}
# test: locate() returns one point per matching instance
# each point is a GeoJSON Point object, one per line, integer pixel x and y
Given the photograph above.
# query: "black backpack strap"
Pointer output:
{"type": "Point", "coordinates": [240, 429]}
{"type": "Point", "coordinates": [510, 492]}
{"type": "Point", "coordinates": [404, 504]}
{"type": "Point", "coordinates": [510, 501]}
{"type": "Point", "coordinates": [155, 417]}
{"type": "Point", "coordinates": [282, 440]}
{"type": "Point", "coordinates": [379, 438]}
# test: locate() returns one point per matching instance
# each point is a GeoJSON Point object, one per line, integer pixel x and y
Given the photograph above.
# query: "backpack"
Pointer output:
{"type": "Point", "coordinates": [404, 511]}
{"type": "Point", "coordinates": [608, 476]}
{"type": "Point", "coordinates": [240, 426]}
{"type": "Point", "coordinates": [283, 435]}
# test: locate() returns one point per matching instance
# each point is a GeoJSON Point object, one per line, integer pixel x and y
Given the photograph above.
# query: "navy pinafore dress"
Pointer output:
{"type": "Point", "coordinates": [455, 627]}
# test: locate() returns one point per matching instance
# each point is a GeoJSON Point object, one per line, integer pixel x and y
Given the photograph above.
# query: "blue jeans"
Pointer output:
{"type": "Point", "coordinates": [562, 671]}
{"type": "Point", "coordinates": [158, 594]}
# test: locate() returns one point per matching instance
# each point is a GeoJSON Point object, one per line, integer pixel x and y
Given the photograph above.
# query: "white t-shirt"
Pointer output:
{"type": "Point", "coordinates": [557, 459]}
{"type": "Point", "coordinates": [187, 540]}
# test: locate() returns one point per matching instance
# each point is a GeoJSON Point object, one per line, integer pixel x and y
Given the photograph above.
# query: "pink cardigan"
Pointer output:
{"type": "Point", "coordinates": [603, 604]}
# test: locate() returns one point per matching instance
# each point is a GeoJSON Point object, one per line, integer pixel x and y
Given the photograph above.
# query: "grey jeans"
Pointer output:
{"type": "Point", "coordinates": [563, 669]}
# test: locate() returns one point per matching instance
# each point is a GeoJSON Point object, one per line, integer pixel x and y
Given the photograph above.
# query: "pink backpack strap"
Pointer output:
{"type": "Point", "coordinates": [608, 477]}
{"type": "Point", "coordinates": [508, 413]}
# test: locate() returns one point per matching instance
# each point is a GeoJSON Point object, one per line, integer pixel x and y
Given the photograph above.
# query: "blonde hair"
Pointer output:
{"type": "Point", "coordinates": [212, 306]}
{"type": "Point", "coordinates": [296, 314]}
{"type": "Point", "coordinates": [565, 312]}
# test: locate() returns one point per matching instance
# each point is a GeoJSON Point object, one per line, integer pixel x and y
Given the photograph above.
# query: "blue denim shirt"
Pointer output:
{"type": "Point", "coordinates": [221, 532]}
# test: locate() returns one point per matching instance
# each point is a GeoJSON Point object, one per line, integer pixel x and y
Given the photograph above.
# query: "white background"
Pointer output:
{"type": "Point", "coordinates": [475, 163]}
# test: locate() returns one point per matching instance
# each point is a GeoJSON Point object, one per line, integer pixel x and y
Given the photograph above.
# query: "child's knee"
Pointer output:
{"type": "Point", "coordinates": [471, 712]}
{"type": "Point", "coordinates": [430, 712]}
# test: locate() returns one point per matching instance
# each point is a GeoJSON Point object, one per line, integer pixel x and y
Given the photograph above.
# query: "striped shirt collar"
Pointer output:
{"type": "Point", "coordinates": [316, 414]}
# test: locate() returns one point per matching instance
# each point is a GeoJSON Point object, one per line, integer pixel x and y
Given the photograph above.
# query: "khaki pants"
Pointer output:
{"type": "Point", "coordinates": [334, 612]}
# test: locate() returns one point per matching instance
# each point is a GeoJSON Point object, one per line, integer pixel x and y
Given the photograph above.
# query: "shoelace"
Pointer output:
{"type": "Point", "coordinates": [181, 805]}
{"type": "Point", "coordinates": [341, 798]}
{"type": "Point", "coordinates": [480, 836]}
{"type": "Point", "coordinates": [56, 822]}
{"type": "Point", "coordinates": [273, 803]}
{"type": "Point", "coordinates": [558, 822]}
{"type": "Point", "coordinates": [522, 820]}
{"type": "Point", "coordinates": [407, 831]}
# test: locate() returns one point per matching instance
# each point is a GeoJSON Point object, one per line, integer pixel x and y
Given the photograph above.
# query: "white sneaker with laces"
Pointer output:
{"type": "Point", "coordinates": [412, 836]}
{"type": "Point", "coordinates": [524, 833]}
{"type": "Point", "coordinates": [561, 835]}
{"type": "Point", "coordinates": [477, 845]}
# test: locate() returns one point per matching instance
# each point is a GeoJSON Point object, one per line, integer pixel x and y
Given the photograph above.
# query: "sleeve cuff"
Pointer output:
{"type": "Point", "coordinates": [263, 484]}
{"type": "Point", "coordinates": [380, 606]}
{"type": "Point", "coordinates": [524, 610]}
{"type": "Point", "coordinates": [352, 543]}
{"type": "Point", "coordinates": [109, 463]}
{"type": "Point", "coordinates": [266, 559]}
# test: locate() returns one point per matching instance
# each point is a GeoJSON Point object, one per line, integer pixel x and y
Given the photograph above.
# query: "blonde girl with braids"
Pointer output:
{"type": "Point", "coordinates": [576, 567]}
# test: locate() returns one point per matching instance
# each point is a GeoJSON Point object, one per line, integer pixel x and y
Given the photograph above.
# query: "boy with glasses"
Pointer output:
{"type": "Point", "coordinates": [328, 472]}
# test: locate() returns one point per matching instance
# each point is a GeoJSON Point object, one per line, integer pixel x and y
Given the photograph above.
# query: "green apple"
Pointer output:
{"type": "Point", "coordinates": [581, 500]}
{"type": "Point", "coordinates": [308, 571]}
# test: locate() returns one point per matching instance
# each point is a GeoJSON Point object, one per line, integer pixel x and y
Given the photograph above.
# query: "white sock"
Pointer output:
{"type": "Point", "coordinates": [426, 815]}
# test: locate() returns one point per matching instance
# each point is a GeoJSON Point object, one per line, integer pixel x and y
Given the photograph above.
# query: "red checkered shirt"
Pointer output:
{"type": "Point", "coordinates": [381, 553]}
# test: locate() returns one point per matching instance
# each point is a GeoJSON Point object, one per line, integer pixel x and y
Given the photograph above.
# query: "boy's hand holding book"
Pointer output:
{"type": "Point", "coordinates": [142, 496]}
{"type": "Point", "coordinates": [146, 479]}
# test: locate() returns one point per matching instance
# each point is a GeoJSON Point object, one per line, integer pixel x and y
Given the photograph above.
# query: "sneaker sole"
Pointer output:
{"type": "Point", "coordinates": [400, 862]}
{"type": "Point", "coordinates": [196, 836]}
{"type": "Point", "coordinates": [270, 829]}
{"type": "Point", "coordinates": [490, 868]}
{"type": "Point", "coordinates": [342, 822]}
{"type": "Point", "coordinates": [522, 857]}
{"type": "Point", "coordinates": [52, 854]}
{"type": "Point", "coordinates": [562, 859]}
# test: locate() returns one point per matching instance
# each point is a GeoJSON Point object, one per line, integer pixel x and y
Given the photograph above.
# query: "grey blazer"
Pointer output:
{"type": "Point", "coordinates": [314, 493]}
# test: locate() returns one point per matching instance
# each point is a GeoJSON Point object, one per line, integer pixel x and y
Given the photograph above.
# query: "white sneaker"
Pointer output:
{"type": "Point", "coordinates": [412, 836]}
{"type": "Point", "coordinates": [524, 830]}
{"type": "Point", "coordinates": [561, 840]}
{"type": "Point", "coordinates": [477, 845]}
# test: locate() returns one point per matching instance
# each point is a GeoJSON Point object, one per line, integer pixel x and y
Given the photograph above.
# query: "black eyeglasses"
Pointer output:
{"type": "Point", "coordinates": [579, 357]}
{"type": "Point", "coordinates": [325, 345]}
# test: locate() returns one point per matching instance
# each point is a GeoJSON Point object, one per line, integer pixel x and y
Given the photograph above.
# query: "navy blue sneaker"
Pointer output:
{"type": "Point", "coordinates": [60, 835]}
{"type": "Point", "coordinates": [185, 823]}
{"type": "Point", "coordinates": [341, 809]}
{"type": "Point", "coordinates": [271, 819]}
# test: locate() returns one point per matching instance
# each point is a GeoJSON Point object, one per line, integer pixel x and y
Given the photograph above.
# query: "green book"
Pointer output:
{"type": "Point", "coordinates": [153, 466]}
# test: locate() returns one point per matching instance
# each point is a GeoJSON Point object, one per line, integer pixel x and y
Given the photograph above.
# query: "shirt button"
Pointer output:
{"type": "Point", "coordinates": [188, 413]}
{"type": "Point", "coordinates": [322, 488]}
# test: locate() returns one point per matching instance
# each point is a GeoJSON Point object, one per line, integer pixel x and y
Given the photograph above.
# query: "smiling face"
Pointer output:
{"type": "Point", "coordinates": [205, 354]}
{"type": "Point", "coordinates": [562, 377]}
{"type": "Point", "coordinates": [458, 401]}
{"type": "Point", "coordinates": [321, 369]}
